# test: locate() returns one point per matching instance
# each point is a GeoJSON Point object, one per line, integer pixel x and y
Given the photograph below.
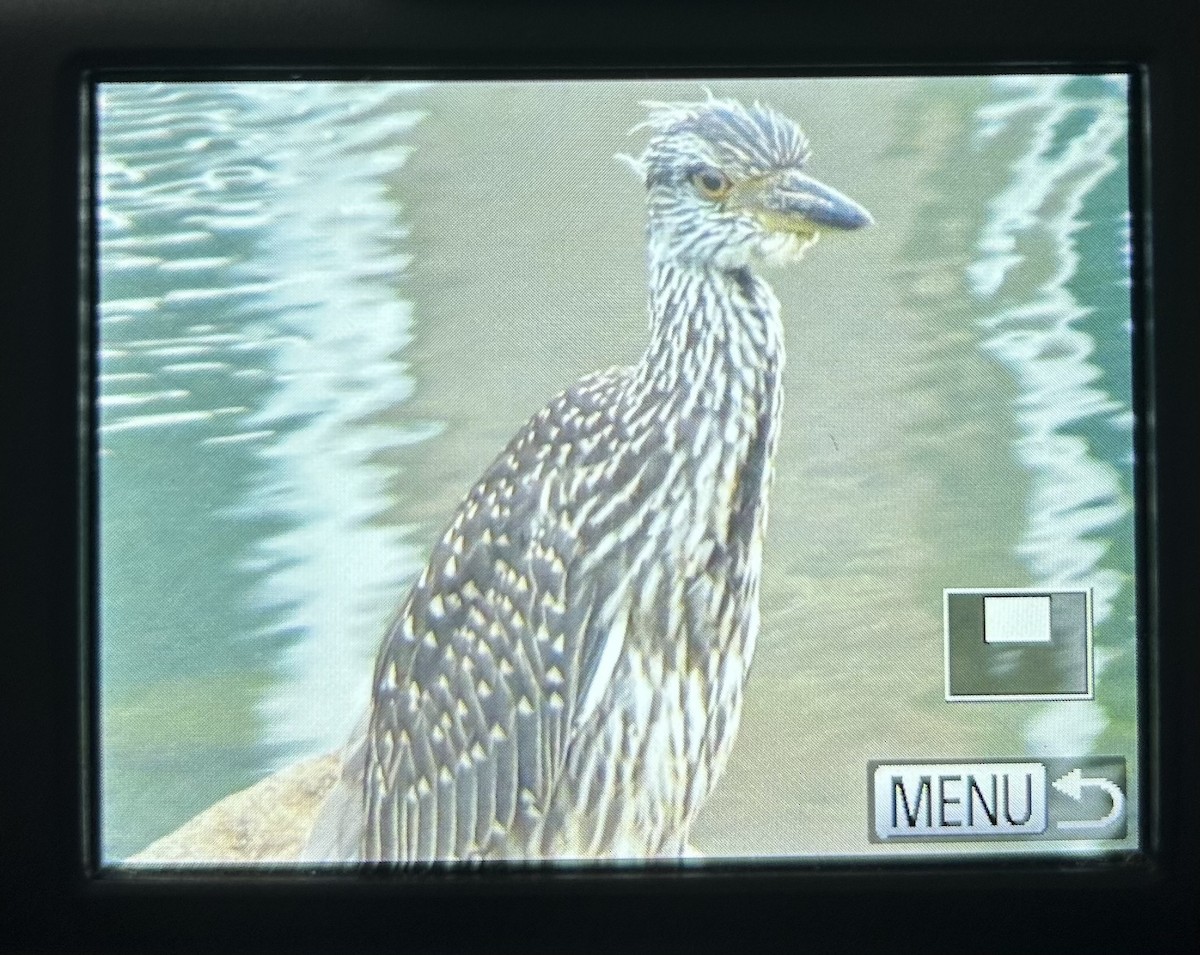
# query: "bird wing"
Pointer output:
{"type": "Point", "coordinates": [501, 647]}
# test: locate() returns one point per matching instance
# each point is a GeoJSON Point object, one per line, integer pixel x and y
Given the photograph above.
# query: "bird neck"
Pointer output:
{"type": "Point", "coordinates": [712, 383]}
{"type": "Point", "coordinates": [713, 333]}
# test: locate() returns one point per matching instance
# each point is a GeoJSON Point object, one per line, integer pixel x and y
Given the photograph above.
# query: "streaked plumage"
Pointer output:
{"type": "Point", "coordinates": [565, 679]}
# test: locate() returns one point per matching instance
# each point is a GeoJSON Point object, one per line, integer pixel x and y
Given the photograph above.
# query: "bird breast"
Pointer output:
{"type": "Point", "coordinates": [676, 539]}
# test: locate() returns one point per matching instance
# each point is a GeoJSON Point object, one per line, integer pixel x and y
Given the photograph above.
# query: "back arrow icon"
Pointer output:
{"type": "Point", "coordinates": [1073, 783]}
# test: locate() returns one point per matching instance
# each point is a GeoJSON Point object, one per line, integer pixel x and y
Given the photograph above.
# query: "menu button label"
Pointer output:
{"type": "Point", "coordinates": [953, 800]}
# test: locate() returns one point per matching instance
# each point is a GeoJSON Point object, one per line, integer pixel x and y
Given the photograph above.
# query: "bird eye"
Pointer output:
{"type": "Point", "coordinates": [711, 183]}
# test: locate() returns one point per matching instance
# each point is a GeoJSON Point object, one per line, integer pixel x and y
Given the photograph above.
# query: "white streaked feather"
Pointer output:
{"type": "Point", "coordinates": [614, 642]}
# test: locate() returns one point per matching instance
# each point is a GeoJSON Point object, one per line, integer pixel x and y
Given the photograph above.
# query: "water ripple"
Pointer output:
{"type": "Point", "coordinates": [1041, 326]}
{"type": "Point", "coordinates": [249, 249]}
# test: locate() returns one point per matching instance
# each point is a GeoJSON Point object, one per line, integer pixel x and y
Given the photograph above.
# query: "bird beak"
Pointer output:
{"type": "Point", "coordinates": [796, 203]}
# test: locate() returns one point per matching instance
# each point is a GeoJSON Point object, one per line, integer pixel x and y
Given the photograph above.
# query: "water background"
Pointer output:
{"type": "Point", "coordinates": [325, 306]}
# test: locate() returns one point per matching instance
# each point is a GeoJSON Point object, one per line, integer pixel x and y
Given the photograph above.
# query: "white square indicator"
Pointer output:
{"type": "Point", "coordinates": [1016, 619]}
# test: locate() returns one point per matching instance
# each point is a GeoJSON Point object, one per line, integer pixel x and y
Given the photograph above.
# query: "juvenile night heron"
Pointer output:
{"type": "Point", "coordinates": [565, 679]}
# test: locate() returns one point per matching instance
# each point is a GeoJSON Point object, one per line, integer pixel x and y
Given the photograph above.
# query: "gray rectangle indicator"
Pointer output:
{"type": "Point", "coordinates": [1013, 644]}
{"type": "Point", "coordinates": [949, 800]}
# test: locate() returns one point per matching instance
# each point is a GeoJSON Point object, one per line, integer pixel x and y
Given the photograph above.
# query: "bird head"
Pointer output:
{"type": "Point", "coordinates": [726, 186]}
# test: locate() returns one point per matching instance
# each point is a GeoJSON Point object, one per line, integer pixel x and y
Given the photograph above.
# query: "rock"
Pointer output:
{"type": "Point", "coordinates": [266, 823]}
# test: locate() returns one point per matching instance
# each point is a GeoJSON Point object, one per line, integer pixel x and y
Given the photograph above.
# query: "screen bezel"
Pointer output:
{"type": "Point", "coordinates": [628, 908]}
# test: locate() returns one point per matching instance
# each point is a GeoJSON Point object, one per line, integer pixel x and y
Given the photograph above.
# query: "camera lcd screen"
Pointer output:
{"type": "Point", "coordinates": [607, 470]}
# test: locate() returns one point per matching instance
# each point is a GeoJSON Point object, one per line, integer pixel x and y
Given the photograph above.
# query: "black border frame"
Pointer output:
{"type": "Point", "coordinates": [50, 903]}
